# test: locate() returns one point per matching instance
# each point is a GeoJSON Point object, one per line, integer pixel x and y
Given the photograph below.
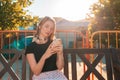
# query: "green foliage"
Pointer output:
{"type": "Point", "coordinates": [115, 10]}
{"type": "Point", "coordinates": [106, 15]}
{"type": "Point", "coordinates": [13, 14]}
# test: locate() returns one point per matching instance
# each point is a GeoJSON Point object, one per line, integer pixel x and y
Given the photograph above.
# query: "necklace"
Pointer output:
{"type": "Point", "coordinates": [42, 40]}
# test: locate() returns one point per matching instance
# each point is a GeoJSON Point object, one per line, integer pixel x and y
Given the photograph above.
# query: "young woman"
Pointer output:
{"type": "Point", "coordinates": [45, 53]}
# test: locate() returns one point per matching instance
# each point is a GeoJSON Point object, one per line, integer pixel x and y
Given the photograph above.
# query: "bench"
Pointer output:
{"type": "Point", "coordinates": [112, 58]}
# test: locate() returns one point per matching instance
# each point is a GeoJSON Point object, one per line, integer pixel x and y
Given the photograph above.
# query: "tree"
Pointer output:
{"type": "Point", "coordinates": [13, 14]}
{"type": "Point", "coordinates": [115, 10]}
{"type": "Point", "coordinates": [106, 15]}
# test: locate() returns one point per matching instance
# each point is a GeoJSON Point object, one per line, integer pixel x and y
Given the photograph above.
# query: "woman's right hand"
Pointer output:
{"type": "Point", "coordinates": [49, 52]}
{"type": "Point", "coordinates": [52, 49]}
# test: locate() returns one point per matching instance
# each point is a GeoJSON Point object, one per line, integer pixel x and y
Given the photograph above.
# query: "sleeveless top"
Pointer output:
{"type": "Point", "coordinates": [38, 50]}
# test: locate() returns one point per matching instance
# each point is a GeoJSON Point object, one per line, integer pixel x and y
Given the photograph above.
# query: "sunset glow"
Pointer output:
{"type": "Point", "coordinates": [68, 9]}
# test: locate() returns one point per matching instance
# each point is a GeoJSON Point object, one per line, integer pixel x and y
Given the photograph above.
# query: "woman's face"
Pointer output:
{"type": "Point", "coordinates": [47, 29]}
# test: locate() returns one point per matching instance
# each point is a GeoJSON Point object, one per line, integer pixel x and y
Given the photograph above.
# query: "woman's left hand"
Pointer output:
{"type": "Point", "coordinates": [59, 49]}
{"type": "Point", "coordinates": [57, 46]}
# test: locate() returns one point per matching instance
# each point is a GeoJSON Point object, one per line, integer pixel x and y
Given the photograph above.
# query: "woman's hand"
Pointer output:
{"type": "Point", "coordinates": [54, 47]}
{"type": "Point", "coordinates": [57, 46]}
{"type": "Point", "coordinates": [49, 52]}
{"type": "Point", "coordinates": [59, 49]}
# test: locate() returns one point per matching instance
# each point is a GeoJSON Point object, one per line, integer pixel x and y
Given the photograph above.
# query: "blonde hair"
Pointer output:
{"type": "Point", "coordinates": [46, 18]}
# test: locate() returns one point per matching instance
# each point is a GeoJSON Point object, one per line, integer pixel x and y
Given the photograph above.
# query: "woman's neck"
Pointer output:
{"type": "Point", "coordinates": [42, 38]}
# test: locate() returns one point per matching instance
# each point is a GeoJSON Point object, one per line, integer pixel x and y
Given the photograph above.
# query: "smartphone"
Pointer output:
{"type": "Point", "coordinates": [56, 42]}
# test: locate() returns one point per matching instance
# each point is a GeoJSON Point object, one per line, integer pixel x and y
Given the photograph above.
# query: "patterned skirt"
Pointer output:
{"type": "Point", "coordinates": [50, 75]}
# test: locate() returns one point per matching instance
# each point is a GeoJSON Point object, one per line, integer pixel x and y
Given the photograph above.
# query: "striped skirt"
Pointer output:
{"type": "Point", "coordinates": [50, 75]}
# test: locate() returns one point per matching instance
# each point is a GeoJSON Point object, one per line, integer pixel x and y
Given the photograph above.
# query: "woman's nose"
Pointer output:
{"type": "Point", "coordinates": [49, 30]}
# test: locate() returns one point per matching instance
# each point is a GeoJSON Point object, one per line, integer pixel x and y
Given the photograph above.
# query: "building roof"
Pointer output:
{"type": "Point", "coordinates": [63, 24]}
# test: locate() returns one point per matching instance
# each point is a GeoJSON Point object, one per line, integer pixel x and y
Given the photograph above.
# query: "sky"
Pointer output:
{"type": "Point", "coordinates": [68, 9]}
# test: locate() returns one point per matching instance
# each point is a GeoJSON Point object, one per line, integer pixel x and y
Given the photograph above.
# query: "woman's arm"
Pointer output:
{"type": "Point", "coordinates": [60, 60]}
{"type": "Point", "coordinates": [37, 67]}
{"type": "Point", "coordinates": [58, 47]}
